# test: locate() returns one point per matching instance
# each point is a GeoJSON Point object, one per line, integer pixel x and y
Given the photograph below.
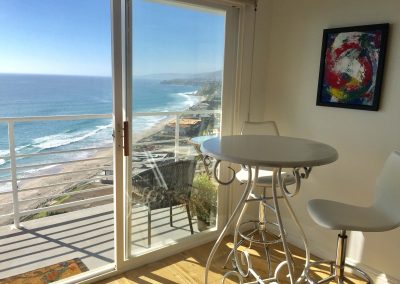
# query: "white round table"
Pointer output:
{"type": "Point", "coordinates": [276, 152]}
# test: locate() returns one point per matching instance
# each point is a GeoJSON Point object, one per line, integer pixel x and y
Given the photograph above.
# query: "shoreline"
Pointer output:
{"type": "Point", "coordinates": [76, 179]}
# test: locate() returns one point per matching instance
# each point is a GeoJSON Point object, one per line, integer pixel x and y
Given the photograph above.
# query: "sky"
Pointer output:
{"type": "Point", "coordinates": [73, 37]}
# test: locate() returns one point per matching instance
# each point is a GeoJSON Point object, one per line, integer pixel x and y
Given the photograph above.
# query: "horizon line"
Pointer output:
{"type": "Point", "coordinates": [105, 76]}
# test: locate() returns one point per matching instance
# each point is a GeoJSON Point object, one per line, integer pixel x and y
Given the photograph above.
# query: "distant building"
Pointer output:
{"type": "Point", "coordinates": [187, 126]}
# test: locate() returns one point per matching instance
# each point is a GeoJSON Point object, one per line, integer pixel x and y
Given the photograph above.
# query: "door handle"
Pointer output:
{"type": "Point", "coordinates": [126, 138]}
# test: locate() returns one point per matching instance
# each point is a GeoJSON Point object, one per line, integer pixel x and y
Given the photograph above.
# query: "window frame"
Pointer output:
{"type": "Point", "coordinates": [236, 93]}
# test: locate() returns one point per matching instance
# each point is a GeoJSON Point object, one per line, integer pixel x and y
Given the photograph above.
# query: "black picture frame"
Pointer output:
{"type": "Point", "coordinates": [351, 67]}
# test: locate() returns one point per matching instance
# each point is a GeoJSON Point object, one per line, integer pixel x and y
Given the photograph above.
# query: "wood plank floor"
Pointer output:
{"type": "Point", "coordinates": [188, 267]}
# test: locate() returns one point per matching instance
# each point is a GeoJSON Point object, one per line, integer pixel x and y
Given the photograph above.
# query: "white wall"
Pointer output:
{"type": "Point", "coordinates": [287, 56]}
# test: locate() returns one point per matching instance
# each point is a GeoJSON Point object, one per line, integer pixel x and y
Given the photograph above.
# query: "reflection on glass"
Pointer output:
{"type": "Point", "coordinates": [177, 88]}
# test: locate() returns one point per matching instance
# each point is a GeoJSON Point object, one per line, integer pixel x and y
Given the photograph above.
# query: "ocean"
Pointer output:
{"type": "Point", "coordinates": [49, 95]}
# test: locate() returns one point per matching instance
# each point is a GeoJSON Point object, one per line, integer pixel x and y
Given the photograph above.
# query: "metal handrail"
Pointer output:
{"type": "Point", "coordinates": [14, 169]}
{"type": "Point", "coordinates": [163, 113]}
{"type": "Point", "coordinates": [54, 117]}
{"type": "Point", "coordinates": [100, 116]}
{"type": "Point", "coordinates": [159, 142]}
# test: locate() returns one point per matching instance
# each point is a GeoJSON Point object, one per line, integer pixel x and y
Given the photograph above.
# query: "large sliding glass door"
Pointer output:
{"type": "Point", "coordinates": [176, 87]}
{"type": "Point", "coordinates": [74, 195]}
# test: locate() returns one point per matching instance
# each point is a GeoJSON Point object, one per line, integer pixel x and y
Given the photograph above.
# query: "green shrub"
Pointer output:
{"type": "Point", "coordinates": [203, 201]}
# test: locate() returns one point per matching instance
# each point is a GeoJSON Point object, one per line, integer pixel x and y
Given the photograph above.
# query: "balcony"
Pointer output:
{"type": "Point", "coordinates": [58, 207]}
{"type": "Point", "coordinates": [87, 234]}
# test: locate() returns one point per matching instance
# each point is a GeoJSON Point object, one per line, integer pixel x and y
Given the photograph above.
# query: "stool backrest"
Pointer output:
{"type": "Point", "coordinates": [260, 128]}
{"type": "Point", "coordinates": [387, 195]}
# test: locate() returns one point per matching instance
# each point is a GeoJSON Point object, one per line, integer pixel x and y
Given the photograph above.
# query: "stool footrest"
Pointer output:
{"type": "Point", "coordinates": [332, 276]}
{"type": "Point", "coordinates": [250, 237]}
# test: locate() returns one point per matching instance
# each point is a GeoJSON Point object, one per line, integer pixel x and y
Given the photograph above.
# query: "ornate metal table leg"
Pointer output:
{"type": "Point", "coordinates": [285, 194]}
{"type": "Point", "coordinates": [303, 236]}
{"type": "Point", "coordinates": [253, 184]}
{"type": "Point", "coordinates": [280, 223]}
{"type": "Point", "coordinates": [241, 203]}
{"type": "Point", "coordinates": [260, 230]}
{"type": "Point", "coordinates": [251, 234]}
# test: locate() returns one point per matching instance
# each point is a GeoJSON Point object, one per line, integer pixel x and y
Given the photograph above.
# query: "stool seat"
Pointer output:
{"type": "Point", "coordinates": [340, 216]}
{"type": "Point", "coordinates": [264, 177]}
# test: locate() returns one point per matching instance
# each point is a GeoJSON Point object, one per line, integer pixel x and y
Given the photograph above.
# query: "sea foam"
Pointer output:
{"type": "Point", "coordinates": [5, 187]}
{"type": "Point", "coordinates": [190, 99]}
{"type": "Point", "coordinates": [63, 139]}
{"type": "Point", "coordinates": [3, 153]}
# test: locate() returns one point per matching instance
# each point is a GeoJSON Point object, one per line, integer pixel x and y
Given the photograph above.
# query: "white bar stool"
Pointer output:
{"type": "Point", "coordinates": [383, 215]}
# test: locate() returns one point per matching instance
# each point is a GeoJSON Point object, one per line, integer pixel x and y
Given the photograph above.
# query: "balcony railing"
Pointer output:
{"type": "Point", "coordinates": [94, 174]}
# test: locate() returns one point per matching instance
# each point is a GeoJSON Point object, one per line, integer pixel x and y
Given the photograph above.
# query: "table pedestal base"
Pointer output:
{"type": "Point", "coordinates": [240, 258]}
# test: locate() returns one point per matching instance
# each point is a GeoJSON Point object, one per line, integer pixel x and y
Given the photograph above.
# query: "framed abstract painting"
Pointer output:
{"type": "Point", "coordinates": [351, 68]}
